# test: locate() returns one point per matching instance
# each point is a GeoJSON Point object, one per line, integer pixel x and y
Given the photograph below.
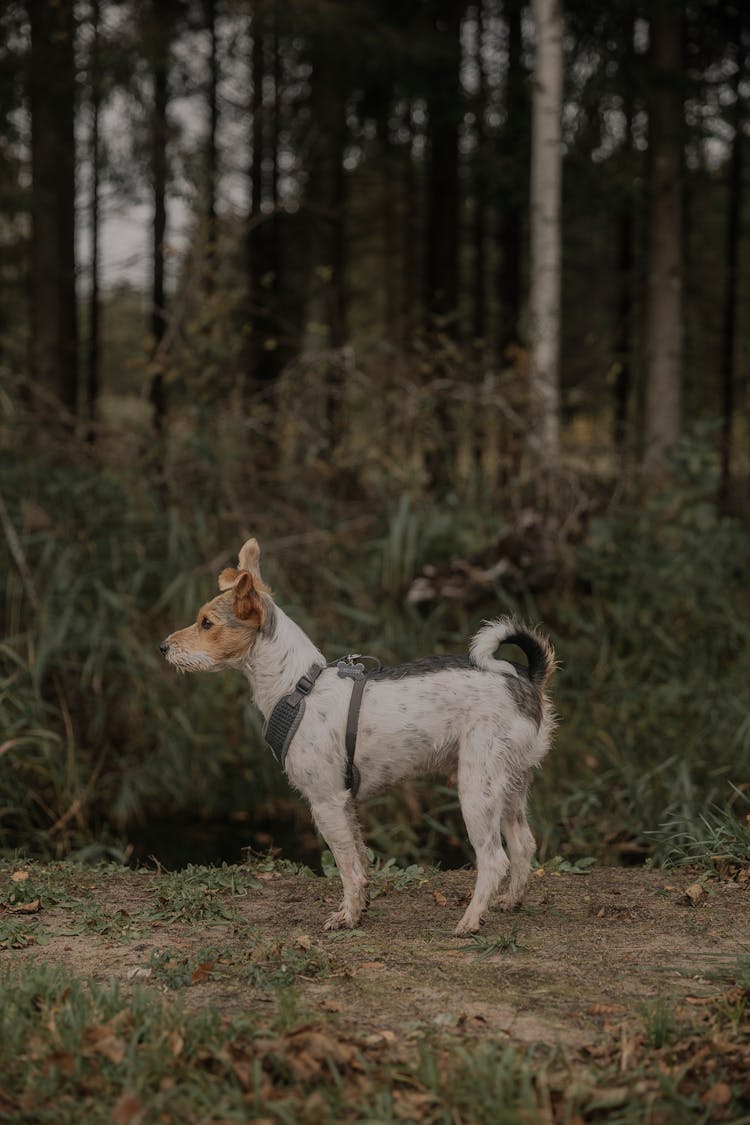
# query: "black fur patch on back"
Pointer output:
{"type": "Point", "coordinates": [423, 667]}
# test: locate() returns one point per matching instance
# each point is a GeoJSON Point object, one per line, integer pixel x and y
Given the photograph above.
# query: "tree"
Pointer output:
{"type": "Point", "coordinates": [734, 230]}
{"type": "Point", "coordinates": [95, 92]}
{"type": "Point", "coordinates": [664, 287]}
{"type": "Point", "coordinates": [442, 203]}
{"type": "Point", "coordinates": [52, 79]}
{"type": "Point", "coordinates": [513, 181]}
{"type": "Point", "coordinates": [544, 282]}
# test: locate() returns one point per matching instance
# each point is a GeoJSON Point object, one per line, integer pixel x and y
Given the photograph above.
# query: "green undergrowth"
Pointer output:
{"type": "Point", "coordinates": [101, 742]}
{"type": "Point", "coordinates": [74, 1049]}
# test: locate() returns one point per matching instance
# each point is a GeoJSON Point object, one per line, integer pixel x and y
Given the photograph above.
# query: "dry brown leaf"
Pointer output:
{"type": "Point", "coordinates": [694, 893]}
{"type": "Point", "coordinates": [720, 1094]}
{"type": "Point", "coordinates": [176, 1043]}
{"type": "Point", "coordinates": [202, 972]}
{"type": "Point", "coordinates": [127, 1110]}
{"type": "Point", "coordinates": [26, 907]}
{"type": "Point", "coordinates": [101, 1040]}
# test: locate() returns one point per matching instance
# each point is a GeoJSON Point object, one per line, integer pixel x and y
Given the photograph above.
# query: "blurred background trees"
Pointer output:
{"type": "Point", "coordinates": [315, 270]}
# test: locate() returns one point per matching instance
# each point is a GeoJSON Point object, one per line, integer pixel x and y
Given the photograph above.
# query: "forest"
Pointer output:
{"type": "Point", "coordinates": [442, 301]}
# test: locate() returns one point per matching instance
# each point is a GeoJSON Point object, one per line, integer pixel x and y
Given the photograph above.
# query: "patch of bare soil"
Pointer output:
{"type": "Point", "coordinates": [584, 950]}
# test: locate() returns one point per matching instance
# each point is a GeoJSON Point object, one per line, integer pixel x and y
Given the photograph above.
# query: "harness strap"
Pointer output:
{"type": "Point", "coordinates": [352, 777]}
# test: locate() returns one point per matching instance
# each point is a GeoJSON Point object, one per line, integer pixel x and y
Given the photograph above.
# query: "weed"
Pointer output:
{"type": "Point", "coordinates": [488, 947]}
{"type": "Point", "coordinates": [660, 1024]}
{"type": "Point", "coordinates": [201, 894]}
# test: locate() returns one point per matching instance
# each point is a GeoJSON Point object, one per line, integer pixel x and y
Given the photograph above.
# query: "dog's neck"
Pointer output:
{"type": "Point", "coordinates": [277, 661]}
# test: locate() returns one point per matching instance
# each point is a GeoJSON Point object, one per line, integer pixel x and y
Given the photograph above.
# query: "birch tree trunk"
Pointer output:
{"type": "Point", "coordinates": [546, 179]}
{"type": "Point", "coordinates": [663, 417]}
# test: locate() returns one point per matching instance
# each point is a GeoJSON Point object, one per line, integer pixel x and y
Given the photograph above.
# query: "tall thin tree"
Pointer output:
{"type": "Point", "coordinates": [52, 84]}
{"type": "Point", "coordinates": [546, 241]}
{"type": "Point", "coordinates": [664, 295]}
{"type": "Point", "coordinates": [733, 242]}
{"type": "Point", "coordinates": [95, 94]}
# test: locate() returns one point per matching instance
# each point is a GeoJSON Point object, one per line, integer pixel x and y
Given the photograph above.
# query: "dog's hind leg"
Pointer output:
{"type": "Point", "coordinates": [520, 843]}
{"type": "Point", "coordinates": [337, 822]}
{"type": "Point", "coordinates": [482, 788]}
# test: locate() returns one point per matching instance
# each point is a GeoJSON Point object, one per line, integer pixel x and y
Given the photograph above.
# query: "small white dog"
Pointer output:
{"type": "Point", "coordinates": [487, 720]}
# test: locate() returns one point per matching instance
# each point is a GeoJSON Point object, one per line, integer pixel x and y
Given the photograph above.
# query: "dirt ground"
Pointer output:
{"type": "Point", "coordinates": [584, 950]}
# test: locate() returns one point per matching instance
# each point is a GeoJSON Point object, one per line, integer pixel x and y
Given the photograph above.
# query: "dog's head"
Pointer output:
{"type": "Point", "coordinates": [227, 627]}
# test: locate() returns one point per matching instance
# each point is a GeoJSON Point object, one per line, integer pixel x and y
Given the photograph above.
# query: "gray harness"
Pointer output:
{"type": "Point", "coordinates": [283, 722]}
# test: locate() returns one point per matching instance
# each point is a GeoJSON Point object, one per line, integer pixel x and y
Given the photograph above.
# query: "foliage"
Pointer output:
{"type": "Point", "coordinates": [102, 742]}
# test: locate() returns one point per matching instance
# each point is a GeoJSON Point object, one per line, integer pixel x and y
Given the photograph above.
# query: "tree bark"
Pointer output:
{"type": "Point", "coordinates": [161, 32]}
{"type": "Point", "coordinates": [443, 115]}
{"type": "Point", "coordinates": [514, 185]}
{"type": "Point", "coordinates": [480, 185]}
{"type": "Point", "coordinates": [546, 243]}
{"type": "Point", "coordinates": [663, 403]}
{"type": "Point", "coordinates": [212, 158]}
{"type": "Point", "coordinates": [325, 313]}
{"type": "Point", "coordinates": [625, 255]}
{"type": "Point", "coordinates": [734, 229]}
{"type": "Point", "coordinates": [54, 349]}
{"type": "Point", "coordinates": [92, 382]}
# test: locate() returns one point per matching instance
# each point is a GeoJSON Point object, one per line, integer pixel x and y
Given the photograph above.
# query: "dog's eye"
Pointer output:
{"type": "Point", "coordinates": [206, 624]}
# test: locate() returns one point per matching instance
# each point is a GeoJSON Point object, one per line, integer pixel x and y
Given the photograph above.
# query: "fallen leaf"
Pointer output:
{"type": "Point", "coordinates": [202, 972]}
{"type": "Point", "coordinates": [26, 907]}
{"type": "Point", "coordinates": [176, 1043]}
{"type": "Point", "coordinates": [127, 1109]}
{"type": "Point", "coordinates": [719, 1094]}
{"type": "Point", "coordinates": [101, 1040]}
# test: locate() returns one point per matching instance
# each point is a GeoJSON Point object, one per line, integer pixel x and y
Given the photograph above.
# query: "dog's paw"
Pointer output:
{"type": "Point", "coordinates": [467, 927]}
{"type": "Point", "coordinates": [342, 920]}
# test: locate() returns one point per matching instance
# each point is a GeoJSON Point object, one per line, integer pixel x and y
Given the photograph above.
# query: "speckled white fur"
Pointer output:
{"type": "Point", "coordinates": [483, 721]}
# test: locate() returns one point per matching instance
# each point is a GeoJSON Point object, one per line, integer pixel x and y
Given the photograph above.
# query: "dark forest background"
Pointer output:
{"type": "Point", "coordinates": [321, 336]}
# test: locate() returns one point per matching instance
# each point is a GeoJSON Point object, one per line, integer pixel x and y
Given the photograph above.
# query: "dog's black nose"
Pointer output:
{"type": "Point", "coordinates": [164, 648]}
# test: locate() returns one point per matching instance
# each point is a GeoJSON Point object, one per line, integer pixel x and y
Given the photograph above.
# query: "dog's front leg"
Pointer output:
{"type": "Point", "coordinates": [337, 823]}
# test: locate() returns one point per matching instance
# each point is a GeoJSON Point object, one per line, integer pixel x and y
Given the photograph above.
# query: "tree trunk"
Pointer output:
{"type": "Point", "coordinates": [625, 256]}
{"type": "Point", "coordinates": [92, 384]}
{"type": "Point", "coordinates": [663, 414]}
{"type": "Point", "coordinates": [52, 98]}
{"type": "Point", "coordinates": [514, 185]}
{"type": "Point", "coordinates": [443, 115]}
{"type": "Point", "coordinates": [734, 230]}
{"type": "Point", "coordinates": [325, 313]}
{"type": "Point", "coordinates": [480, 185]}
{"type": "Point", "coordinates": [212, 160]}
{"type": "Point", "coordinates": [161, 30]}
{"type": "Point", "coordinates": [546, 179]}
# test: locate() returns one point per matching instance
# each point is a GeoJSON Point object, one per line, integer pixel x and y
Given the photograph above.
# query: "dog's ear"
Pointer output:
{"type": "Point", "coordinates": [248, 604]}
{"type": "Point", "coordinates": [250, 557]}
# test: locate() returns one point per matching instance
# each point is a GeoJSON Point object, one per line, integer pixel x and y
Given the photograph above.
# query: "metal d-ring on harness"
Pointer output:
{"type": "Point", "coordinates": [281, 725]}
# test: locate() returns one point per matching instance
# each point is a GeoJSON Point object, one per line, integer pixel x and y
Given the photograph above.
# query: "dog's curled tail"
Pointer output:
{"type": "Point", "coordinates": [507, 631]}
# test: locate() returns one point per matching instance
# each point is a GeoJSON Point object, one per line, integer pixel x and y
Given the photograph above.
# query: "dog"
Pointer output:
{"type": "Point", "coordinates": [486, 720]}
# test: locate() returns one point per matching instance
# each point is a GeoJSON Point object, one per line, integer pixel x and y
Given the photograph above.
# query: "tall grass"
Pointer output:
{"type": "Point", "coordinates": [99, 740]}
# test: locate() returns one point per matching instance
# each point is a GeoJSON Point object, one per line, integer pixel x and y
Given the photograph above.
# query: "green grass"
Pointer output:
{"type": "Point", "coordinates": [75, 1050]}
{"type": "Point", "coordinates": [100, 737]}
